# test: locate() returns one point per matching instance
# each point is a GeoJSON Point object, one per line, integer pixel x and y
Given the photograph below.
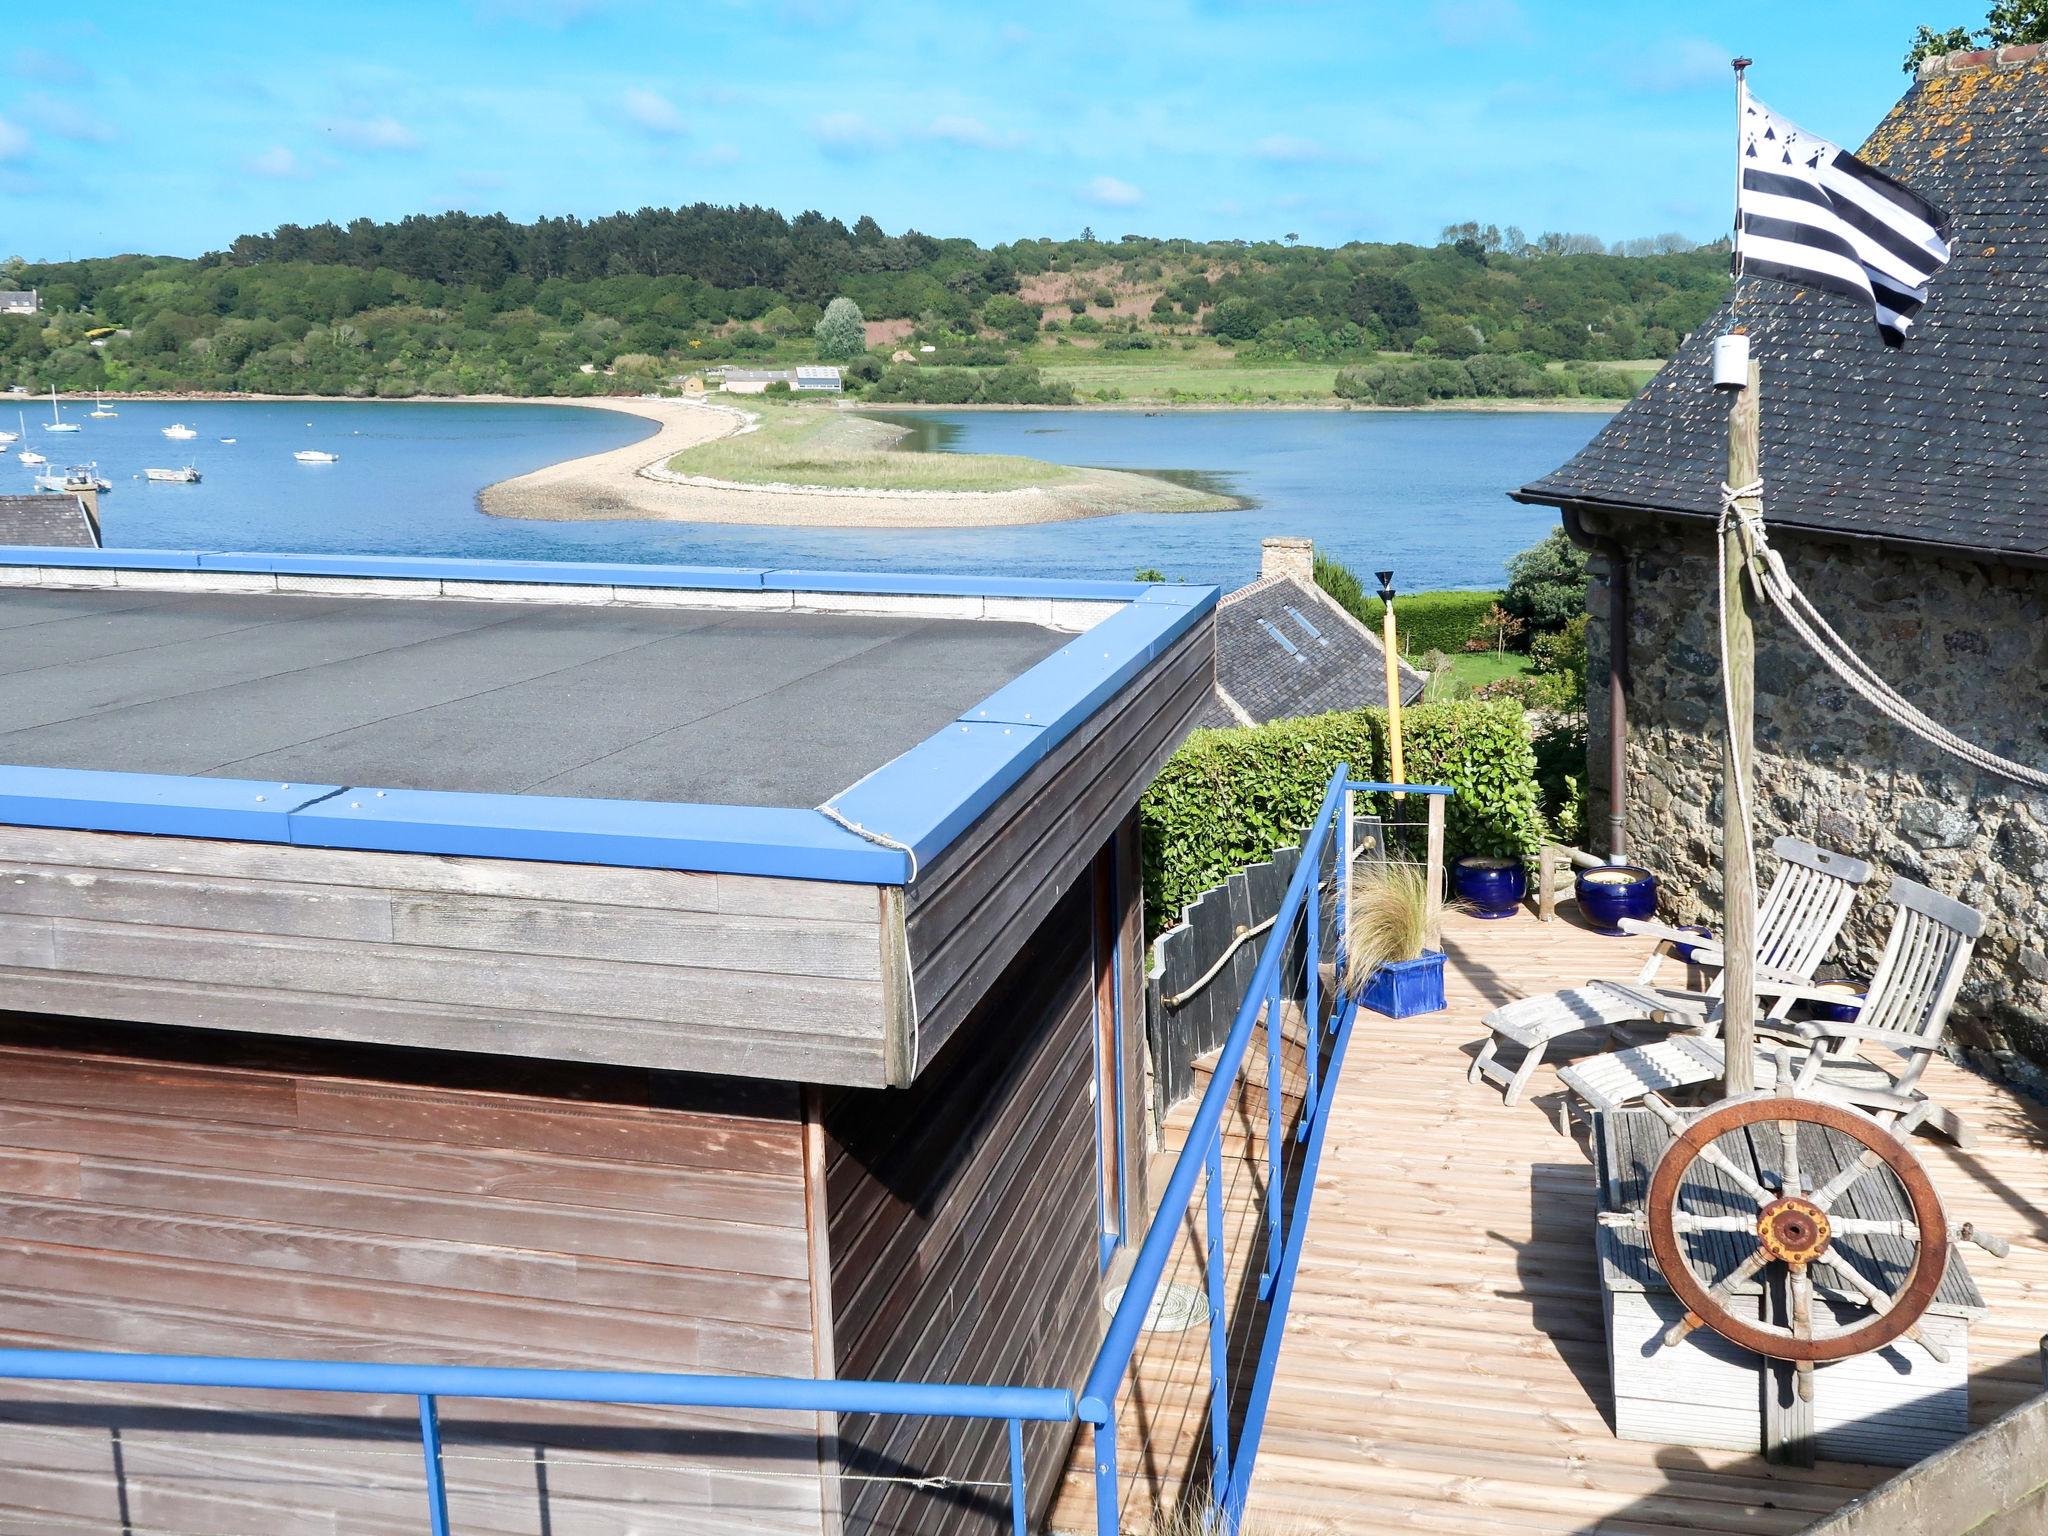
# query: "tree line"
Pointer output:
{"type": "Point", "coordinates": [459, 303]}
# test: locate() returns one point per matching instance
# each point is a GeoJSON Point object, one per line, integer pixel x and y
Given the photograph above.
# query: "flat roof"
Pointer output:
{"type": "Point", "coordinates": [606, 702]}
{"type": "Point", "coordinates": [804, 724]}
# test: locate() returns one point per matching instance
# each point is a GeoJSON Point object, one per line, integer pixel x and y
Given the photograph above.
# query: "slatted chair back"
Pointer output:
{"type": "Point", "coordinates": [1804, 909]}
{"type": "Point", "coordinates": [1921, 969]}
{"type": "Point", "coordinates": [1807, 904]}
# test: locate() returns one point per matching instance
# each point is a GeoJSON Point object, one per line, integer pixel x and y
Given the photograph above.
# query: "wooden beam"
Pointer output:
{"type": "Point", "coordinates": [1738, 663]}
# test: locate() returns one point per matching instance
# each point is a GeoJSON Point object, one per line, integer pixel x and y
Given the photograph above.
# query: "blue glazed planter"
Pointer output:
{"type": "Point", "coordinates": [1853, 997]}
{"type": "Point", "coordinates": [1687, 951]}
{"type": "Point", "coordinates": [1615, 891]}
{"type": "Point", "coordinates": [1407, 986]}
{"type": "Point", "coordinates": [1492, 888]}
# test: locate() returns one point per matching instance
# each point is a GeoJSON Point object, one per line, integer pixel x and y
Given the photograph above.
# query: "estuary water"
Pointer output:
{"type": "Point", "coordinates": [1422, 492]}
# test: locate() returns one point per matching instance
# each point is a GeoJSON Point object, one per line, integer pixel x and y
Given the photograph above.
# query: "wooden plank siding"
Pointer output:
{"type": "Point", "coordinates": [963, 1233]}
{"type": "Point", "coordinates": [648, 968]}
{"type": "Point", "coordinates": [178, 1191]}
{"type": "Point", "coordinates": [973, 909]}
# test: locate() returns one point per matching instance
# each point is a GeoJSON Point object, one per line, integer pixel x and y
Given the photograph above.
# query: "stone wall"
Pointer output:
{"type": "Point", "coordinates": [1968, 643]}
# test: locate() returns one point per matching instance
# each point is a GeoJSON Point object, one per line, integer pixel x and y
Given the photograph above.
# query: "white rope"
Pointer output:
{"type": "Point", "coordinates": [1774, 582]}
{"type": "Point", "coordinates": [883, 839]}
{"type": "Point", "coordinates": [1732, 497]}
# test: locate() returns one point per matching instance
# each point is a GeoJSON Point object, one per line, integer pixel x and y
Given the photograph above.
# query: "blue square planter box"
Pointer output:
{"type": "Point", "coordinates": [1407, 986]}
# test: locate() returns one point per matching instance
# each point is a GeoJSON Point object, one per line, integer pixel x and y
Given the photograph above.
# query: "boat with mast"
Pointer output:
{"type": "Point", "coordinates": [99, 408]}
{"type": "Point", "coordinates": [57, 423]}
{"type": "Point", "coordinates": [27, 455]}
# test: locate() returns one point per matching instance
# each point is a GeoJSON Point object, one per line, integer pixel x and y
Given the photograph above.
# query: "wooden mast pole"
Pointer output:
{"type": "Point", "coordinates": [1738, 661]}
{"type": "Point", "coordinates": [1391, 643]}
{"type": "Point", "coordinates": [1738, 665]}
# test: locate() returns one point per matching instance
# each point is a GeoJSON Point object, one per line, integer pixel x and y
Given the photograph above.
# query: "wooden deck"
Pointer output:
{"type": "Point", "coordinates": [1444, 1367]}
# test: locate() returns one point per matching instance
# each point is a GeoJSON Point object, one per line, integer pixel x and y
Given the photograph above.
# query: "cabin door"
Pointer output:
{"type": "Point", "coordinates": [1109, 1051]}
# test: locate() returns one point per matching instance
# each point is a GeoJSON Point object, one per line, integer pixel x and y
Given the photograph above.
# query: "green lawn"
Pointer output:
{"type": "Point", "coordinates": [815, 445]}
{"type": "Point", "coordinates": [1469, 669]}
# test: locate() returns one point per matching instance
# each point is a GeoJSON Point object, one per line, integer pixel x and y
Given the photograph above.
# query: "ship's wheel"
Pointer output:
{"type": "Point", "coordinates": [1795, 1225]}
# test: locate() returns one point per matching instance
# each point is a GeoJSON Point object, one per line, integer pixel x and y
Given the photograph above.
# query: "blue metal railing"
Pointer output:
{"type": "Point", "coordinates": [1234, 1449]}
{"type": "Point", "coordinates": [1291, 956]}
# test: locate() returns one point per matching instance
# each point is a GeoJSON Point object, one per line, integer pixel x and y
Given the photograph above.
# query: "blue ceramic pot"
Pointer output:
{"type": "Point", "coordinates": [1686, 951]}
{"type": "Point", "coordinates": [1490, 887]}
{"type": "Point", "coordinates": [1853, 996]}
{"type": "Point", "coordinates": [1615, 891]}
{"type": "Point", "coordinates": [1407, 986]}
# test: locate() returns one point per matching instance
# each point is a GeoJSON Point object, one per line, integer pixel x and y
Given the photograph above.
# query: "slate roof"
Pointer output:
{"type": "Point", "coordinates": [49, 520]}
{"type": "Point", "coordinates": [1937, 443]}
{"type": "Point", "coordinates": [1284, 649]}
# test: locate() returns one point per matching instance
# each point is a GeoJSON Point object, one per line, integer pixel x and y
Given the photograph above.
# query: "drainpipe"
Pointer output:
{"type": "Point", "coordinates": [1617, 677]}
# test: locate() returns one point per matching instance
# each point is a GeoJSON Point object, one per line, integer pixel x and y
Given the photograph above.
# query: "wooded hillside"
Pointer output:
{"type": "Point", "coordinates": [457, 303]}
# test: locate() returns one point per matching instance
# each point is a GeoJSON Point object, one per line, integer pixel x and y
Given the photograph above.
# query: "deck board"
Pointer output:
{"type": "Point", "coordinates": [1444, 1367]}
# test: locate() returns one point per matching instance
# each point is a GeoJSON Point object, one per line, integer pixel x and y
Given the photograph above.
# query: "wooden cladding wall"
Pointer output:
{"type": "Point", "coordinates": [973, 909]}
{"type": "Point", "coordinates": [962, 1226]}
{"type": "Point", "coordinates": [343, 1203]}
{"type": "Point", "coordinates": [647, 968]}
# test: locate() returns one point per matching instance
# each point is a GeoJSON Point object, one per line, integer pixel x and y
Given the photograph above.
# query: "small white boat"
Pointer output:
{"type": "Point", "coordinates": [57, 423]}
{"type": "Point", "coordinates": [30, 456]}
{"type": "Point", "coordinates": [80, 477]}
{"type": "Point", "coordinates": [184, 476]}
{"type": "Point", "coordinates": [99, 409]}
{"type": "Point", "coordinates": [179, 429]}
{"type": "Point", "coordinates": [316, 456]}
{"type": "Point", "coordinates": [227, 439]}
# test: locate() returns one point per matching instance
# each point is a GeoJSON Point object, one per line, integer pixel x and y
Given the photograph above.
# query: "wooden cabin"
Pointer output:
{"type": "Point", "coordinates": [611, 967]}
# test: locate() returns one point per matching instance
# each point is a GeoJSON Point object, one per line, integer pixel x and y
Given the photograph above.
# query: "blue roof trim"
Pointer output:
{"type": "Point", "coordinates": [101, 559]}
{"type": "Point", "coordinates": [637, 834]}
{"type": "Point", "coordinates": [922, 799]}
{"type": "Point", "coordinates": [935, 791]}
{"type": "Point", "coordinates": [578, 573]}
{"type": "Point", "coordinates": [163, 805]}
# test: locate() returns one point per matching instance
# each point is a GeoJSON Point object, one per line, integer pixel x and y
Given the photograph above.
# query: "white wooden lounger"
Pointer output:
{"type": "Point", "coordinates": [1803, 911]}
{"type": "Point", "coordinates": [1924, 959]}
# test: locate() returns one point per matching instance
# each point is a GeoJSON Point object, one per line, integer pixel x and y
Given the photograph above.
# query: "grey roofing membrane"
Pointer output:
{"type": "Point", "coordinates": [609, 702]}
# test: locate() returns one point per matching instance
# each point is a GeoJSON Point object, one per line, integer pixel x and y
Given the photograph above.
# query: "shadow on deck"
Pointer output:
{"type": "Point", "coordinates": [1445, 1364]}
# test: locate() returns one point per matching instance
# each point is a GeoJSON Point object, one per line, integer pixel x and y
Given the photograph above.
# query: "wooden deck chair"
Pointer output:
{"type": "Point", "coordinates": [1804, 909]}
{"type": "Point", "coordinates": [1917, 978]}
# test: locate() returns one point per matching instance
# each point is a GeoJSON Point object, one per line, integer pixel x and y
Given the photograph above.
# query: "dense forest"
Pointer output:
{"type": "Point", "coordinates": [459, 304]}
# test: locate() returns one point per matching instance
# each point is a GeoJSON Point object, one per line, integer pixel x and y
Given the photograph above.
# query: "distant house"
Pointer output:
{"type": "Point", "coordinates": [48, 521]}
{"type": "Point", "coordinates": [17, 301]}
{"type": "Point", "coordinates": [753, 381]}
{"type": "Point", "coordinates": [1907, 490]}
{"type": "Point", "coordinates": [1285, 648]}
{"type": "Point", "coordinates": [817, 379]}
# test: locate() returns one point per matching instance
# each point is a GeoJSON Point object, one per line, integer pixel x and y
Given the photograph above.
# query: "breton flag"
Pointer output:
{"type": "Point", "coordinates": [1810, 212]}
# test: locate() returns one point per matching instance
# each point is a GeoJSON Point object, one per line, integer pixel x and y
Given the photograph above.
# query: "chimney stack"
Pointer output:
{"type": "Point", "coordinates": [1288, 557]}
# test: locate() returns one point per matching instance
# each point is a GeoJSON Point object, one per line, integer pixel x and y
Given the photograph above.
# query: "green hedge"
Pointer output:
{"type": "Point", "coordinates": [1434, 621]}
{"type": "Point", "coordinates": [1229, 798]}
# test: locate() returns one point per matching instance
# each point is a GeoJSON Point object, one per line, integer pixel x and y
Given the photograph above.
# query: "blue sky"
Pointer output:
{"type": "Point", "coordinates": [172, 128]}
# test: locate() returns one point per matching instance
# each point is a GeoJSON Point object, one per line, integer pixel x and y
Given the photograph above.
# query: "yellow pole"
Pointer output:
{"type": "Point", "coordinates": [1396, 771]}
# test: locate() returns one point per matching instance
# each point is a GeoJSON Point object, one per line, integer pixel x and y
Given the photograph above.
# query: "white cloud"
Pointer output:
{"type": "Point", "coordinates": [653, 113]}
{"type": "Point", "coordinates": [1289, 149]}
{"type": "Point", "coordinates": [49, 67]}
{"type": "Point", "coordinates": [378, 134]}
{"type": "Point", "coordinates": [13, 141]}
{"type": "Point", "coordinates": [1479, 23]}
{"type": "Point", "coordinates": [1111, 192]}
{"type": "Point", "coordinates": [1677, 64]}
{"type": "Point", "coordinates": [56, 116]}
{"type": "Point", "coordinates": [972, 133]}
{"type": "Point", "coordinates": [848, 135]}
{"type": "Point", "coordinates": [276, 162]}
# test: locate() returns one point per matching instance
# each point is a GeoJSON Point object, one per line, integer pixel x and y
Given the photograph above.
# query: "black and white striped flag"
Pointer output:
{"type": "Point", "coordinates": [1810, 212]}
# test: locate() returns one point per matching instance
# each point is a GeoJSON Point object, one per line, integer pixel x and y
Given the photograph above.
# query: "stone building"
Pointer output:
{"type": "Point", "coordinates": [1908, 492]}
